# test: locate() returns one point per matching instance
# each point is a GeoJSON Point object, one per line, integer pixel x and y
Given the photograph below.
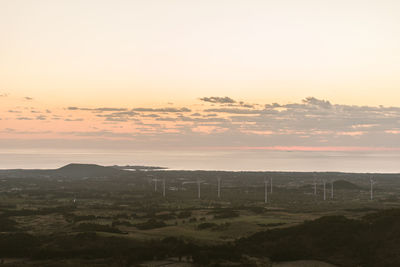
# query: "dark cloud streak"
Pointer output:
{"type": "Point", "coordinates": [219, 100]}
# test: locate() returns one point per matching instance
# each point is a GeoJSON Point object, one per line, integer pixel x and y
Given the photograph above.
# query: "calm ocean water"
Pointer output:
{"type": "Point", "coordinates": [210, 160]}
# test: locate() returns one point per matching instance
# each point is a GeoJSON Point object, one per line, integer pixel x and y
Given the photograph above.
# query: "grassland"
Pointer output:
{"type": "Point", "coordinates": [126, 205]}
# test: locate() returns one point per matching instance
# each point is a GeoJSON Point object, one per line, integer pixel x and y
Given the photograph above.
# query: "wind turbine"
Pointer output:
{"type": "Point", "coordinates": [271, 185]}
{"type": "Point", "coordinates": [265, 191]}
{"type": "Point", "coordinates": [219, 187]}
{"type": "Point", "coordinates": [164, 187]}
{"type": "Point", "coordinates": [372, 188]}
{"type": "Point", "coordinates": [155, 184]}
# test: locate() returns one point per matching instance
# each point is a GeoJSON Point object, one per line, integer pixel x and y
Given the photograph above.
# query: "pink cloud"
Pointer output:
{"type": "Point", "coordinates": [313, 148]}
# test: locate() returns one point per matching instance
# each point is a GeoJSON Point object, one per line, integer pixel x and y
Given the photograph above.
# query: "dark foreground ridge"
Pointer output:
{"type": "Point", "coordinates": [371, 241]}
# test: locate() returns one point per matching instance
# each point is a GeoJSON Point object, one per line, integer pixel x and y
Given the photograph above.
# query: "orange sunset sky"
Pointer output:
{"type": "Point", "coordinates": [306, 75]}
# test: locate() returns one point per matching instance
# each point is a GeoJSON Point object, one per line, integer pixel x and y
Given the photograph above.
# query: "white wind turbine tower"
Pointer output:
{"type": "Point", "coordinates": [265, 191]}
{"type": "Point", "coordinates": [372, 188]}
{"type": "Point", "coordinates": [155, 185]}
{"type": "Point", "coordinates": [271, 185]}
{"type": "Point", "coordinates": [164, 187]}
{"type": "Point", "coordinates": [219, 187]}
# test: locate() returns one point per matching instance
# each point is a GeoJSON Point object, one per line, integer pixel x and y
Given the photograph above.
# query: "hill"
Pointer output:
{"type": "Point", "coordinates": [86, 170]}
{"type": "Point", "coordinates": [371, 241]}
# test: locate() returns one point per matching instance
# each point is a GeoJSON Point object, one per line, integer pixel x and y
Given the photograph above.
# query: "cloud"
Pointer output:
{"type": "Point", "coordinates": [41, 117]}
{"type": "Point", "coordinates": [122, 116]}
{"type": "Point", "coordinates": [101, 133]}
{"type": "Point", "coordinates": [233, 110]}
{"type": "Point", "coordinates": [166, 119]}
{"type": "Point", "coordinates": [307, 122]}
{"type": "Point", "coordinates": [150, 116]}
{"type": "Point", "coordinates": [166, 110]}
{"type": "Point", "coordinates": [3, 94]}
{"type": "Point", "coordinates": [219, 100]}
{"type": "Point", "coordinates": [28, 98]}
{"type": "Point", "coordinates": [316, 102]}
{"type": "Point", "coordinates": [191, 119]}
{"type": "Point", "coordinates": [272, 106]}
{"type": "Point", "coordinates": [227, 101]}
{"type": "Point", "coordinates": [314, 121]}
{"type": "Point", "coordinates": [134, 109]}
{"type": "Point", "coordinates": [19, 132]}
{"type": "Point", "coordinates": [310, 118]}
{"type": "Point", "coordinates": [117, 119]}
{"type": "Point", "coordinates": [119, 114]}
{"type": "Point", "coordinates": [98, 109]}
{"type": "Point", "coordinates": [109, 109]}
{"type": "Point", "coordinates": [77, 119]}
{"type": "Point", "coordinates": [246, 105]}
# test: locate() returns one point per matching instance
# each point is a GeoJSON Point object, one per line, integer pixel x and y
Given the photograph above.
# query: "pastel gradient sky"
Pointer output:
{"type": "Point", "coordinates": [283, 75]}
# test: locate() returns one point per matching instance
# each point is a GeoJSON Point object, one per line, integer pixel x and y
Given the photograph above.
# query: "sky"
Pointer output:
{"type": "Point", "coordinates": [250, 75]}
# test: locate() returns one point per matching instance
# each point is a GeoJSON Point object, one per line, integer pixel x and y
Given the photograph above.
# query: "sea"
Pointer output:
{"type": "Point", "coordinates": [361, 162]}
